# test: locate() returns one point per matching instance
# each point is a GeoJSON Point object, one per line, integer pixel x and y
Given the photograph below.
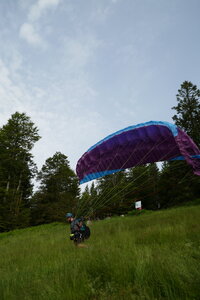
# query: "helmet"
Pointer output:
{"type": "Point", "coordinates": [69, 215]}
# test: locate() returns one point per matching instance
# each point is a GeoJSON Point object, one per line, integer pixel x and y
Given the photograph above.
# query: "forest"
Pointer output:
{"type": "Point", "coordinates": [158, 186]}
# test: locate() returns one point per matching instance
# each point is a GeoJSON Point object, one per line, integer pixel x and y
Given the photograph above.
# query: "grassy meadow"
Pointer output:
{"type": "Point", "coordinates": [152, 256]}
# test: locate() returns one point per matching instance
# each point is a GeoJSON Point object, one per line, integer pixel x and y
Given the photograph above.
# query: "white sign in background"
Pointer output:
{"type": "Point", "coordinates": [138, 204]}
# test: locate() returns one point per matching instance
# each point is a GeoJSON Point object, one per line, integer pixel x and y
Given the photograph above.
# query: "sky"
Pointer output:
{"type": "Point", "coordinates": [82, 69]}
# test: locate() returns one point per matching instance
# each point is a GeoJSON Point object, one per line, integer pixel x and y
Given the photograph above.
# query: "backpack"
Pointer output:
{"type": "Point", "coordinates": [85, 230]}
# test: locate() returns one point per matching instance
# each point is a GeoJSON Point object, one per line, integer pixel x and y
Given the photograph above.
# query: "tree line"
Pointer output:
{"type": "Point", "coordinates": [58, 192]}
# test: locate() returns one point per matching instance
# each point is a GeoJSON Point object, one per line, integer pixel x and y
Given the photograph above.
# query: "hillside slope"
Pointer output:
{"type": "Point", "coordinates": [152, 256]}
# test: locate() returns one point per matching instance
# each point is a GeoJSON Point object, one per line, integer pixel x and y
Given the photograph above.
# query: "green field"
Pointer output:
{"type": "Point", "coordinates": [152, 256]}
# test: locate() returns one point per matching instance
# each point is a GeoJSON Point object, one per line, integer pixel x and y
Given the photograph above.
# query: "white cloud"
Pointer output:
{"type": "Point", "coordinates": [40, 7]}
{"type": "Point", "coordinates": [80, 51]}
{"type": "Point", "coordinates": [64, 123]}
{"type": "Point", "coordinates": [13, 97]}
{"type": "Point", "coordinates": [15, 62]}
{"type": "Point", "coordinates": [28, 32]}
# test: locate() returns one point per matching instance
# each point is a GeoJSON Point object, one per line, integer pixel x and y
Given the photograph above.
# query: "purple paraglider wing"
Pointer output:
{"type": "Point", "coordinates": [136, 145]}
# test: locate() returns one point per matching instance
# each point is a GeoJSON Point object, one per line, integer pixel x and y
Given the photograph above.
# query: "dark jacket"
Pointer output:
{"type": "Point", "coordinates": [76, 225]}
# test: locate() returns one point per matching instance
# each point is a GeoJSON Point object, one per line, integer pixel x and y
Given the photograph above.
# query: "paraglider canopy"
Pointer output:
{"type": "Point", "coordinates": [137, 145]}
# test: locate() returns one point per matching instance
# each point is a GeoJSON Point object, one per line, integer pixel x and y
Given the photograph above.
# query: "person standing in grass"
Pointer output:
{"type": "Point", "coordinates": [79, 231]}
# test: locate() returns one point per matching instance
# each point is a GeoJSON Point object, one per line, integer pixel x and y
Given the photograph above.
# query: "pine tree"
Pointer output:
{"type": "Point", "coordinates": [177, 183]}
{"type": "Point", "coordinates": [86, 205]}
{"type": "Point", "coordinates": [58, 191]}
{"type": "Point", "coordinates": [17, 168]}
{"type": "Point", "coordinates": [188, 110]}
{"type": "Point", "coordinates": [144, 185]}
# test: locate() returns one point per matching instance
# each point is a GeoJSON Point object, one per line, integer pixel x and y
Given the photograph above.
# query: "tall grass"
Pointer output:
{"type": "Point", "coordinates": [152, 256]}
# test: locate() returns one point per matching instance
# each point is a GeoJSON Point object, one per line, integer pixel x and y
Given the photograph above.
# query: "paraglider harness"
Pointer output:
{"type": "Point", "coordinates": [79, 233]}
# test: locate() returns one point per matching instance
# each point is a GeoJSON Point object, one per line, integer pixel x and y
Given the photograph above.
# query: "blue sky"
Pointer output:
{"type": "Point", "coordinates": [82, 69]}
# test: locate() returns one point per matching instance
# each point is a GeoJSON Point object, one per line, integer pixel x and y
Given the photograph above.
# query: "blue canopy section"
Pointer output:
{"type": "Point", "coordinates": [98, 175]}
{"type": "Point", "coordinates": [104, 173]}
{"type": "Point", "coordinates": [183, 158]}
{"type": "Point", "coordinates": [172, 128]}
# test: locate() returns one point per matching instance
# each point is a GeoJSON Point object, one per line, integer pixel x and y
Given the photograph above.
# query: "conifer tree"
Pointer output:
{"type": "Point", "coordinates": [177, 183]}
{"type": "Point", "coordinates": [17, 168]}
{"type": "Point", "coordinates": [58, 191]}
{"type": "Point", "coordinates": [188, 110]}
